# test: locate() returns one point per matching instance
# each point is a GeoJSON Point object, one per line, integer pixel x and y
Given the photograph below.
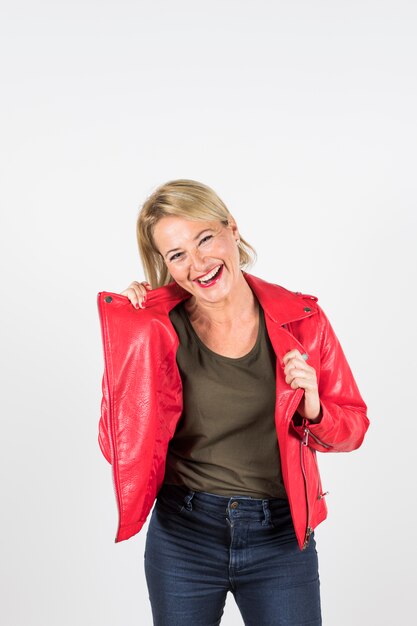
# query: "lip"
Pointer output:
{"type": "Point", "coordinates": [208, 272]}
{"type": "Point", "coordinates": [212, 282]}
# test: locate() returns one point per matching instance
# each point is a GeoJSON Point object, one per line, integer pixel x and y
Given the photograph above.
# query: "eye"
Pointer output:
{"type": "Point", "coordinates": [206, 238]}
{"type": "Point", "coordinates": [175, 256]}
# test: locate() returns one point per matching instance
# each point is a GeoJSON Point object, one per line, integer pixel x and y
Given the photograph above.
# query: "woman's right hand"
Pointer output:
{"type": "Point", "coordinates": [137, 292]}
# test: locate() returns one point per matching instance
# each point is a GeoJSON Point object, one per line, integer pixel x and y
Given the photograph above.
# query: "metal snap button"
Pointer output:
{"type": "Point", "coordinates": [108, 299]}
{"type": "Point", "coordinates": [234, 505]}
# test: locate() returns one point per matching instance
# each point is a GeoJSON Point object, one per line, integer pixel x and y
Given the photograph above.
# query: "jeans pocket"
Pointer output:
{"type": "Point", "coordinates": [281, 519]}
{"type": "Point", "coordinates": [170, 500]}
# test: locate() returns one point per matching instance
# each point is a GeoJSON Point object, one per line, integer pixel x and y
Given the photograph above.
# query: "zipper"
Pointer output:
{"type": "Point", "coordinates": [304, 441]}
{"type": "Point", "coordinates": [321, 494]}
{"type": "Point", "coordinates": [325, 445]}
{"type": "Point", "coordinates": [308, 433]}
{"type": "Point", "coordinates": [309, 530]}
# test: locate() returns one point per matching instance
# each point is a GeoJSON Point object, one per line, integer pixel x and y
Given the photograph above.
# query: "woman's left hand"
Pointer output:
{"type": "Point", "coordinates": [298, 374]}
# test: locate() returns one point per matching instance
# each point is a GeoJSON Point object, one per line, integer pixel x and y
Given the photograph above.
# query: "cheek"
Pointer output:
{"type": "Point", "coordinates": [179, 273]}
{"type": "Point", "coordinates": [227, 248]}
{"type": "Point", "coordinates": [176, 272]}
{"type": "Point", "coordinates": [232, 252]}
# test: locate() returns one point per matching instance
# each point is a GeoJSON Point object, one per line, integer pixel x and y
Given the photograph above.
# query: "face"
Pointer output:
{"type": "Point", "coordinates": [202, 257]}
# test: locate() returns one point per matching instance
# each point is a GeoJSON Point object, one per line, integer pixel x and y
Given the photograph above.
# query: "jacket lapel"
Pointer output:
{"type": "Point", "coordinates": [282, 307]}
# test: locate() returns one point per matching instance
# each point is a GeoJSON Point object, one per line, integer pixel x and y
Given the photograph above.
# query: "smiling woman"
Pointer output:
{"type": "Point", "coordinates": [186, 199]}
{"type": "Point", "coordinates": [205, 260]}
{"type": "Point", "coordinates": [211, 409]}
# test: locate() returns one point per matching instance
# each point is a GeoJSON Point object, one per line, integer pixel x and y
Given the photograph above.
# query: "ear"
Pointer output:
{"type": "Point", "coordinates": [233, 226]}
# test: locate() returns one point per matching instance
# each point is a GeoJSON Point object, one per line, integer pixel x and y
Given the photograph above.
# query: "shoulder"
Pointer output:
{"type": "Point", "coordinates": [117, 310]}
{"type": "Point", "coordinates": [277, 289]}
{"type": "Point", "coordinates": [158, 301]}
{"type": "Point", "coordinates": [282, 304]}
{"type": "Point", "coordinates": [305, 296]}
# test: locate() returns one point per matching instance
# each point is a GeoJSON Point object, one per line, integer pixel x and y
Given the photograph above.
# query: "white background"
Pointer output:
{"type": "Point", "coordinates": [302, 116]}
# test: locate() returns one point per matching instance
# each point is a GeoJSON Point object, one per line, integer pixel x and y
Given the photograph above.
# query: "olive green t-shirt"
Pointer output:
{"type": "Point", "coordinates": [225, 441]}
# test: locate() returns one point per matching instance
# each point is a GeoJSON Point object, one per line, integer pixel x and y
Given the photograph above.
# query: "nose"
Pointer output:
{"type": "Point", "coordinates": [198, 261]}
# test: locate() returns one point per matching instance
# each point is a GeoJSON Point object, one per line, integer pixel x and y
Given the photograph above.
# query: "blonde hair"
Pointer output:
{"type": "Point", "coordinates": [182, 198]}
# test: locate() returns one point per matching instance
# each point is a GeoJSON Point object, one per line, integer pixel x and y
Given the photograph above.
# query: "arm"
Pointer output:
{"type": "Point", "coordinates": [343, 421]}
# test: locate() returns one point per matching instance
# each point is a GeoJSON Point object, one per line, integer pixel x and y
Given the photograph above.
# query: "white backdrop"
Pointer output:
{"type": "Point", "coordinates": [302, 116]}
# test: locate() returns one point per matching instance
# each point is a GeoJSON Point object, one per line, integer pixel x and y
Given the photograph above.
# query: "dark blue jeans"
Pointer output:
{"type": "Point", "coordinates": [200, 545]}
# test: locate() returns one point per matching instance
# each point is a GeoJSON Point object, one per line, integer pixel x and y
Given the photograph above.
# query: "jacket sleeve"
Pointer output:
{"type": "Point", "coordinates": [103, 433]}
{"type": "Point", "coordinates": [344, 420]}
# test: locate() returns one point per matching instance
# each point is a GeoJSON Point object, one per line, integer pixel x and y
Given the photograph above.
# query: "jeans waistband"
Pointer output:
{"type": "Point", "coordinates": [234, 506]}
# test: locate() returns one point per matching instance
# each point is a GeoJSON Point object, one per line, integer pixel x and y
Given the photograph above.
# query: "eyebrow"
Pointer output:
{"type": "Point", "coordinates": [196, 237]}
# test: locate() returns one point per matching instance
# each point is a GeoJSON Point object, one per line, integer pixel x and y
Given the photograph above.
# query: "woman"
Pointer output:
{"type": "Point", "coordinates": [218, 390]}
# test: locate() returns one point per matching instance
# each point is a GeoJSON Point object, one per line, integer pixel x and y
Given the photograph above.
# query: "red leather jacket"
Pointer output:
{"type": "Point", "coordinates": [142, 398]}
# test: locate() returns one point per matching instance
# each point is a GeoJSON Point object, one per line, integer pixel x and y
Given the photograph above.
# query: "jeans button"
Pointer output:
{"type": "Point", "coordinates": [234, 505]}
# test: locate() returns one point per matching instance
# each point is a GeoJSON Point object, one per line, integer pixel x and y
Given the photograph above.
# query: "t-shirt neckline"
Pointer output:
{"type": "Point", "coordinates": [222, 357]}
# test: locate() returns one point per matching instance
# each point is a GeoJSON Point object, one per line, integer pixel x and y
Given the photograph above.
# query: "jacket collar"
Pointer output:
{"type": "Point", "coordinates": [279, 303]}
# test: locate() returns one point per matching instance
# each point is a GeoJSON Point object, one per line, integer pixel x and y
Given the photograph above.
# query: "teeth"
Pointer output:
{"type": "Point", "coordinates": [209, 276]}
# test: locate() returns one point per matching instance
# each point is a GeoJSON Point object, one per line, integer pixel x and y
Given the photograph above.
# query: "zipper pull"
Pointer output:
{"type": "Point", "coordinates": [307, 537]}
{"type": "Point", "coordinates": [322, 495]}
{"type": "Point", "coordinates": [305, 437]}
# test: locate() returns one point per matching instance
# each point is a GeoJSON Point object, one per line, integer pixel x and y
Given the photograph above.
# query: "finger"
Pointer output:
{"type": "Point", "coordinates": [294, 354]}
{"type": "Point", "coordinates": [133, 294]}
{"type": "Point", "coordinates": [137, 292]}
{"type": "Point", "coordinates": [297, 363]}
{"type": "Point", "coordinates": [129, 293]}
{"type": "Point", "coordinates": [142, 292]}
{"type": "Point", "coordinates": [143, 283]}
{"type": "Point", "coordinates": [290, 354]}
{"type": "Point", "coordinates": [303, 383]}
{"type": "Point", "coordinates": [297, 374]}
{"type": "Point", "coordinates": [300, 366]}
{"type": "Point", "coordinates": [307, 385]}
{"type": "Point", "coordinates": [297, 358]}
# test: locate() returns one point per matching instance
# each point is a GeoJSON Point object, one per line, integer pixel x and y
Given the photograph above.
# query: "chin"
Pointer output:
{"type": "Point", "coordinates": [213, 294]}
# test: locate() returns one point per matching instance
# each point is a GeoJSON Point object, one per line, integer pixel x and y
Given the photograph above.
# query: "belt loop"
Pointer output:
{"type": "Point", "coordinates": [267, 512]}
{"type": "Point", "coordinates": [187, 500]}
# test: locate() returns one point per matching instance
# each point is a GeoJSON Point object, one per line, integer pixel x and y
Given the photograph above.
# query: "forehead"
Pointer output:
{"type": "Point", "coordinates": [173, 229]}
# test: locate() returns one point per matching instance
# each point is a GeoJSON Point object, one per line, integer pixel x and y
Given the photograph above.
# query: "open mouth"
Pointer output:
{"type": "Point", "coordinates": [210, 278]}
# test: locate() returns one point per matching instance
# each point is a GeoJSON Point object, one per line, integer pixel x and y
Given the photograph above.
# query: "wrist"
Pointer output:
{"type": "Point", "coordinates": [317, 419]}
